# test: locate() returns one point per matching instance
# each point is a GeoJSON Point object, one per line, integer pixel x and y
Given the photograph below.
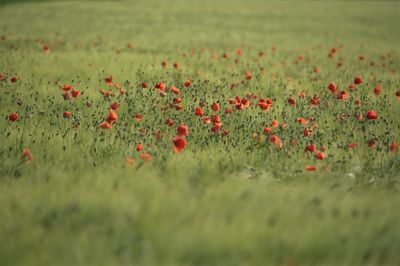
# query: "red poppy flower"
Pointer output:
{"type": "Point", "coordinates": [352, 86]}
{"type": "Point", "coordinates": [310, 148]}
{"type": "Point", "coordinates": [372, 143]}
{"type": "Point", "coordinates": [248, 75]}
{"type": "Point", "coordinates": [302, 120]}
{"type": "Point", "coordinates": [164, 64]}
{"type": "Point", "coordinates": [357, 80]}
{"type": "Point", "coordinates": [179, 144]}
{"type": "Point", "coordinates": [352, 145]}
{"type": "Point", "coordinates": [198, 111]}
{"type": "Point", "coordinates": [66, 87]}
{"type": "Point", "coordinates": [377, 90]}
{"type": "Point", "coordinates": [264, 106]}
{"type": "Point", "coordinates": [138, 117]}
{"type": "Point", "coordinates": [215, 107]}
{"type": "Point", "coordinates": [228, 110]}
{"type": "Point", "coordinates": [160, 85]}
{"type": "Point", "coordinates": [114, 106]}
{"type": "Point", "coordinates": [311, 168]}
{"type": "Point", "coordinates": [67, 114]}
{"type": "Point", "coordinates": [275, 123]}
{"type": "Point", "coordinates": [216, 128]}
{"type": "Point", "coordinates": [216, 119]}
{"type": "Point", "coordinates": [182, 130]}
{"type": "Point", "coordinates": [307, 132]}
{"type": "Point", "coordinates": [177, 100]}
{"type": "Point", "coordinates": [332, 86]}
{"type": "Point", "coordinates": [130, 160]}
{"type": "Point", "coordinates": [206, 119]}
{"type": "Point", "coordinates": [112, 117]}
{"type": "Point", "coordinates": [2, 76]}
{"type": "Point", "coordinates": [144, 85]}
{"type": "Point", "coordinates": [187, 83]}
{"type": "Point", "coordinates": [292, 101]}
{"type": "Point", "coordinates": [176, 65]}
{"type": "Point", "coordinates": [314, 100]}
{"type": "Point", "coordinates": [398, 94]}
{"type": "Point", "coordinates": [267, 130]}
{"type": "Point", "coordinates": [393, 146]}
{"type": "Point", "coordinates": [13, 79]}
{"type": "Point", "coordinates": [139, 147]}
{"type": "Point", "coordinates": [146, 156]}
{"type": "Point", "coordinates": [342, 95]}
{"type": "Point", "coordinates": [293, 142]}
{"type": "Point", "coordinates": [105, 93]}
{"type": "Point", "coordinates": [174, 89]}
{"type": "Point", "coordinates": [372, 115]}
{"type": "Point", "coordinates": [75, 93]}
{"type": "Point", "coordinates": [320, 156]}
{"type": "Point", "coordinates": [105, 125]}
{"type": "Point", "coordinates": [169, 122]}
{"type": "Point", "coordinates": [14, 116]}
{"type": "Point", "coordinates": [109, 80]}
{"type": "Point", "coordinates": [26, 154]}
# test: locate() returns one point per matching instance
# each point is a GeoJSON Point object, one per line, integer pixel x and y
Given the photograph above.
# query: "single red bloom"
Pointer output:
{"type": "Point", "coordinates": [352, 145]}
{"type": "Point", "coordinates": [310, 148]}
{"type": "Point", "coordinates": [139, 147]}
{"type": "Point", "coordinates": [114, 106]}
{"type": "Point", "coordinates": [311, 168]}
{"type": "Point", "coordinates": [179, 144]}
{"type": "Point", "coordinates": [264, 106]}
{"type": "Point", "coordinates": [198, 111]}
{"type": "Point", "coordinates": [206, 119]}
{"type": "Point", "coordinates": [275, 123]}
{"type": "Point", "coordinates": [164, 64]}
{"type": "Point", "coordinates": [66, 87]}
{"type": "Point", "coordinates": [267, 130]}
{"type": "Point", "coordinates": [182, 130]}
{"type": "Point", "coordinates": [112, 117]}
{"type": "Point", "coordinates": [320, 156]}
{"type": "Point", "coordinates": [146, 156]}
{"type": "Point", "coordinates": [176, 65]}
{"type": "Point", "coordinates": [75, 93]}
{"type": "Point", "coordinates": [109, 80]}
{"type": "Point", "coordinates": [393, 146]}
{"type": "Point", "coordinates": [160, 85]}
{"type": "Point", "coordinates": [105, 125]}
{"type": "Point", "coordinates": [216, 128]}
{"type": "Point", "coordinates": [187, 83]}
{"type": "Point", "coordinates": [343, 95]}
{"type": "Point", "coordinates": [314, 100]}
{"type": "Point", "coordinates": [292, 101]}
{"type": "Point", "coordinates": [67, 114]}
{"type": "Point", "coordinates": [215, 107]}
{"type": "Point", "coordinates": [372, 143]}
{"type": "Point", "coordinates": [228, 110]}
{"type": "Point", "coordinates": [332, 86]}
{"type": "Point", "coordinates": [398, 94]}
{"type": "Point", "coordinates": [13, 79]}
{"type": "Point", "coordinates": [144, 85]}
{"type": "Point", "coordinates": [248, 75]}
{"type": "Point", "coordinates": [372, 115]}
{"type": "Point", "coordinates": [357, 80]}
{"type": "Point", "coordinates": [14, 116]}
{"type": "Point", "coordinates": [377, 90]}
{"type": "Point", "coordinates": [307, 132]}
{"type": "Point", "coordinates": [174, 89]}
{"type": "Point", "coordinates": [169, 122]}
{"type": "Point", "coordinates": [26, 154]}
{"type": "Point", "coordinates": [138, 117]}
{"type": "Point", "coordinates": [177, 100]}
{"type": "Point", "coordinates": [352, 86]}
{"type": "Point", "coordinates": [216, 119]}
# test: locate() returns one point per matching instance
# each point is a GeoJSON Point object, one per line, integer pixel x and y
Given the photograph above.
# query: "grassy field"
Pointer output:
{"type": "Point", "coordinates": [248, 188]}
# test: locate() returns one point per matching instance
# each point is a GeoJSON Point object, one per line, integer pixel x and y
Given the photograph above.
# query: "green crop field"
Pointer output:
{"type": "Point", "coordinates": [199, 132]}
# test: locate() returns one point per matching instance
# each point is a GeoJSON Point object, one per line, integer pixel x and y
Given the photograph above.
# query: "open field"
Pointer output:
{"type": "Point", "coordinates": [199, 133]}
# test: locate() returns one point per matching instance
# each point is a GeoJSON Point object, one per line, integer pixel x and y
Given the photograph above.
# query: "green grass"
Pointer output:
{"type": "Point", "coordinates": [223, 200]}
